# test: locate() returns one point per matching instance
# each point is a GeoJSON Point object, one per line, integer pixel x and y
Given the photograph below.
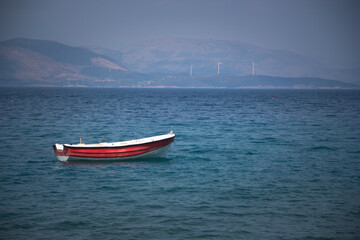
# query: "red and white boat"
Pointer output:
{"type": "Point", "coordinates": [150, 147]}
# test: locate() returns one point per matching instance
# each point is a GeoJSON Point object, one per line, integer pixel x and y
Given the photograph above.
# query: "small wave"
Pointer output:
{"type": "Point", "coordinates": [70, 224]}
{"type": "Point", "coordinates": [249, 153]}
{"type": "Point", "coordinates": [320, 148]}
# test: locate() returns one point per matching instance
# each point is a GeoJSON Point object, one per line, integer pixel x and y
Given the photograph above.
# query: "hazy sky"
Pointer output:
{"type": "Point", "coordinates": [324, 29]}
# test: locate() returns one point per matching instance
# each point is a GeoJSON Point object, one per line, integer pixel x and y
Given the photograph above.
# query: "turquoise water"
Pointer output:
{"type": "Point", "coordinates": [246, 164]}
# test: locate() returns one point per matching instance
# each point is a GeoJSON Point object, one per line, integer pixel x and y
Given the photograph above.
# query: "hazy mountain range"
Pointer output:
{"type": "Point", "coordinates": [164, 63]}
{"type": "Point", "coordinates": [176, 55]}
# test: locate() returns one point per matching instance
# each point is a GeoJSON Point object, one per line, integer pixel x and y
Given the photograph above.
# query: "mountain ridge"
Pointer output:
{"type": "Point", "coordinates": [50, 63]}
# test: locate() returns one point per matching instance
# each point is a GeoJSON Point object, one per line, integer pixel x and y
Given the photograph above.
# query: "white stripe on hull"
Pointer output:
{"type": "Point", "coordinates": [63, 158]}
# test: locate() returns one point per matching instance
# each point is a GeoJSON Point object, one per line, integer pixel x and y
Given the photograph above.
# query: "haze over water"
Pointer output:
{"type": "Point", "coordinates": [247, 164]}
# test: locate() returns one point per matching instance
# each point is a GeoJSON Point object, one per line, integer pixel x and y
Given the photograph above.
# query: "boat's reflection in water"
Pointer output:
{"type": "Point", "coordinates": [134, 162]}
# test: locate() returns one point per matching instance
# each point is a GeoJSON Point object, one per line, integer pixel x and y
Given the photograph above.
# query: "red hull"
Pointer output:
{"type": "Point", "coordinates": [114, 151]}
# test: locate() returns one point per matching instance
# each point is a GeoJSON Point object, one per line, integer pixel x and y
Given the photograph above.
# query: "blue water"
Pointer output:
{"type": "Point", "coordinates": [246, 164]}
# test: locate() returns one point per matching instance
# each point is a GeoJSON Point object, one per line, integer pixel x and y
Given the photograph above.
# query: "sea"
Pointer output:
{"type": "Point", "coordinates": [246, 164]}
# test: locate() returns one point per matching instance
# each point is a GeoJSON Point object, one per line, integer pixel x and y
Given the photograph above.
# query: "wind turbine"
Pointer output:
{"type": "Point", "coordinates": [253, 68]}
{"type": "Point", "coordinates": [191, 70]}
{"type": "Point", "coordinates": [219, 67]}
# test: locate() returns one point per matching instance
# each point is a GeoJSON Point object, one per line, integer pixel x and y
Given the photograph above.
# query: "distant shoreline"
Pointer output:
{"type": "Point", "coordinates": [175, 87]}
